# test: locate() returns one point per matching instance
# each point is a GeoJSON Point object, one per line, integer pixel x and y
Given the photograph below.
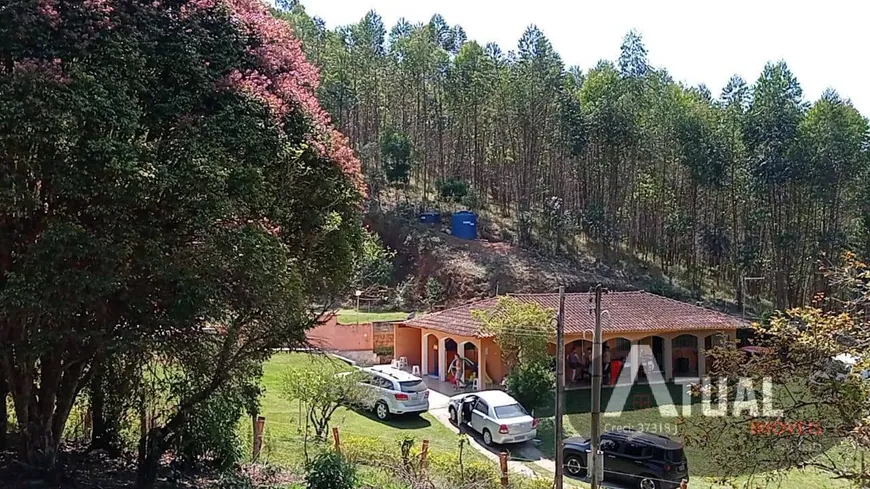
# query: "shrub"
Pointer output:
{"type": "Point", "coordinates": [330, 470]}
{"type": "Point", "coordinates": [532, 384]}
{"type": "Point", "coordinates": [530, 483]}
{"type": "Point", "coordinates": [434, 293]}
{"type": "Point", "coordinates": [363, 450]}
{"type": "Point", "coordinates": [209, 434]}
{"type": "Point", "coordinates": [473, 200]}
{"type": "Point", "coordinates": [448, 472]}
{"type": "Point", "coordinates": [384, 351]}
{"type": "Point", "coordinates": [452, 189]}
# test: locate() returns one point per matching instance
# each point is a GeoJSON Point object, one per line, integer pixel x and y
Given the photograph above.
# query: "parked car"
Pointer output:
{"type": "Point", "coordinates": [396, 391]}
{"type": "Point", "coordinates": [498, 417]}
{"type": "Point", "coordinates": [640, 459]}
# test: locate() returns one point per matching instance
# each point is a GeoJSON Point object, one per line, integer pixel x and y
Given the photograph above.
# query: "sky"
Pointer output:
{"type": "Point", "coordinates": [824, 43]}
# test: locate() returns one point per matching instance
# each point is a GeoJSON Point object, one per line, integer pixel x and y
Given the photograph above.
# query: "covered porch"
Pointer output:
{"type": "Point", "coordinates": [455, 360]}
{"type": "Point", "coordinates": [677, 356]}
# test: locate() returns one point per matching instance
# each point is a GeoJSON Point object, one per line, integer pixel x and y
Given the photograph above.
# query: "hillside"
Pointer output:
{"type": "Point", "coordinates": [489, 266]}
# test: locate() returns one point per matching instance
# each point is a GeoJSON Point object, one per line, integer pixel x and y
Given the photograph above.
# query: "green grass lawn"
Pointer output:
{"type": "Point", "coordinates": [283, 437]}
{"type": "Point", "coordinates": [284, 440]}
{"type": "Point", "coordinates": [350, 316]}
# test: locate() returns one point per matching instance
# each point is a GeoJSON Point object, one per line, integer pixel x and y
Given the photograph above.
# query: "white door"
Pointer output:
{"type": "Point", "coordinates": [480, 416]}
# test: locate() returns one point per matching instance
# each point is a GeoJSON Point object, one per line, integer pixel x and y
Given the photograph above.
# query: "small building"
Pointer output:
{"type": "Point", "coordinates": [677, 334]}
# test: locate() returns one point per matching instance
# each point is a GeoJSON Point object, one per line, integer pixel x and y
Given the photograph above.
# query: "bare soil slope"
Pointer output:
{"type": "Point", "coordinates": [483, 268]}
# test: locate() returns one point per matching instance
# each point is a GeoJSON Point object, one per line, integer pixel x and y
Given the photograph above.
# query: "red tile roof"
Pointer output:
{"type": "Point", "coordinates": [630, 312]}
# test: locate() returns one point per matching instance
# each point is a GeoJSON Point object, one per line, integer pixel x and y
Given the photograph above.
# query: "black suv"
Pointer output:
{"type": "Point", "coordinates": [643, 460]}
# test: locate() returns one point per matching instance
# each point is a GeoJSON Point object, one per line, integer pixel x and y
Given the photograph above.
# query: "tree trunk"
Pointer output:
{"type": "Point", "coordinates": [43, 401]}
{"type": "Point", "coordinates": [4, 392]}
{"type": "Point", "coordinates": [151, 448]}
{"type": "Point", "coordinates": [106, 412]}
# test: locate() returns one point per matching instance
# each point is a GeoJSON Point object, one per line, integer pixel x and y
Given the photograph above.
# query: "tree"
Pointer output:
{"type": "Point", "coordinates": [434, 293]}
{"type": "Point", "coordinates": [532, 383]}
{"type": "Point", "coordinates": [708, 190]}
{"type": "Point", "coordinates": [452, 189]}
{"type": "Point", "coordinates": [188, 202]}
{"type": "Point", "coordinates": [523, 330]}
{"type": "Point", "coordinates": [111, 397]}
{"type": "Point", "coordinates": [373, 267]}
{"type": "Point", "coordinates": [396, 153]}
{"type": "Point", "coordinates": [4, 415]}
{"type": "Point", "coordinates": [322, 388]}
{"type": "Point", "coordinates": [817, 364]}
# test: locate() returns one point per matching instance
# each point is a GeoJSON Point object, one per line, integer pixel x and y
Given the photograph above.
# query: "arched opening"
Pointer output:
{"type": "Point", "coordinates": [469, 351]}
{"type": "Point", "coordinates": [430, 361]}
{"type": "Point", "coordinates": [685, 355]}
{"type": "Point", "coordinates": [651, 357]}
{"type": "Point", "coordinates": [619, 348]}
{"type": "Point", "coordinates": [467, 367]}
{"type": "Point", "coordinates": [578, 358]}
{"type": "Point", "coordinates": [451, 353]}
{"type": "Point", "coordinates": [712, 341]}
{"type": "Point", "coordinates": [615, 353]}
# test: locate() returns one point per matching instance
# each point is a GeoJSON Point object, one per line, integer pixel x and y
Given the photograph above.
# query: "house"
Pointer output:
{"type": "Point", "coordinates": [675, 332]}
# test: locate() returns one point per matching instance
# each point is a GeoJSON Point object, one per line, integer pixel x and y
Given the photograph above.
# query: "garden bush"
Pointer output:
{"type": "Point", "coordinates": [210, 433]}
{"type": "Point", "coordinates": [532, 384]}
{"type": "Point", "coordinates": [330, 470]}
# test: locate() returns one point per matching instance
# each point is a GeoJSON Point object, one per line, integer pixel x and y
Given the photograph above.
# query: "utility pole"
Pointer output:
{"type": "Point", "coordinates": [597, 369]}
{"type": "Point", "coordinates": [560, 387]}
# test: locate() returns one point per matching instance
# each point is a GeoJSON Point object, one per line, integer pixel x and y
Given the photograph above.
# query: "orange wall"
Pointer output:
{"type": "Point", "coordinates": [349, 337]}
{"type": "Point", "coordinates": [406, 343]}
{"type": "Point", "coordinates": [494, 366]}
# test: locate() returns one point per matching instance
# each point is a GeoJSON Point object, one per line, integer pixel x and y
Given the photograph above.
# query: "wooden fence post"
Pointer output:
{"type": "Point", "coordinates": [503, 465]}
{"type": "Point", "coordinates": [254, 453]}
{"type": "Point", "coordinates": [336, 439]}
{"type": "Point", "coordinates": [259, 429]}
{"type": "Point", "coordinates": [424, 454]}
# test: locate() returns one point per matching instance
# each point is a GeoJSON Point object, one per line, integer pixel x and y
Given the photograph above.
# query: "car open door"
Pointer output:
{"type": "Point", "coordinates": [480, 416]}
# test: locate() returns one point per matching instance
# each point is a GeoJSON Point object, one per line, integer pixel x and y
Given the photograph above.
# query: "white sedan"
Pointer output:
{"type": "Point", "coordinates": [498, 417]}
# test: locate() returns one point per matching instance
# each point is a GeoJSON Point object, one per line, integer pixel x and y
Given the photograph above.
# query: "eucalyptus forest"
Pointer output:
{"type": "Point", "coordinates": [753, 181]}
{"type": "Point", "coordinates": [185, 187]}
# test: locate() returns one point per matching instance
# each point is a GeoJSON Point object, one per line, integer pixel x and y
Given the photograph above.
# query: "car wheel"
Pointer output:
{"type": "Point", "coordinates": [487, 438]}
{"type": "Point", "coordinates": [575, 466]}
{"type": "Point", "coordinates": [648, 482]}
{"type": "Point", "coordinates": [382, 411]}
{"type": "Point", "coordinates": [453, 417]}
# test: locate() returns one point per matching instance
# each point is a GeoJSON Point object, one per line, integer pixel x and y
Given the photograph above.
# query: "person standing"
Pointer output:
{"type": "Point", "coordinates": [606, 357]}
{"type": "Point", "coordinates": [574, 364]}
{"type": "Point", "coordinates": [587, 362]}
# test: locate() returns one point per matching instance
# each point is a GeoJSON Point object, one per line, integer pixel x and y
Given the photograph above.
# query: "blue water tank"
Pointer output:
{"type": "Point", "coordinates": [430, 218]}
{"type": "Point", "coordinates": [464, 225]}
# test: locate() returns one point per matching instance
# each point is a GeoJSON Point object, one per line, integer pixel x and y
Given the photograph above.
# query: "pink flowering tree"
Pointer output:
{"type": "Point", "coordinates": [170, 190]}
